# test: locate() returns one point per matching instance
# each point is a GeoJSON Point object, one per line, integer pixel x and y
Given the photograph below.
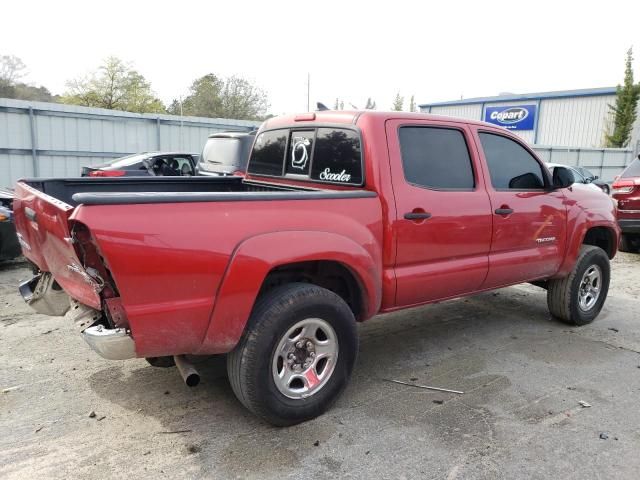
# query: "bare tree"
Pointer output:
{"type": "Point", "coordinates": [12, 69]}
{"type": "Point", "coordinates": [412, 104]}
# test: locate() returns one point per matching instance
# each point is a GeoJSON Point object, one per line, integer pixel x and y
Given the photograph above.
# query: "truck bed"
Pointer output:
{"type": "Point", "coordinates": [137, 190]}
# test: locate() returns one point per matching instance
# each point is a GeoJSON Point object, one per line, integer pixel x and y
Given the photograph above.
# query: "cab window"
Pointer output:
{"type": "Point", "coordinates": [511, 166]}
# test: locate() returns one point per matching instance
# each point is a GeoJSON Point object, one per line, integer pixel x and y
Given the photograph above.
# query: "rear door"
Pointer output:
{"type": "Point", "coordinates": [529, 219]}
{"type": "Point", "coordinates": [42, 224]}
{"type": "Point", "coordinates": [443, 224]}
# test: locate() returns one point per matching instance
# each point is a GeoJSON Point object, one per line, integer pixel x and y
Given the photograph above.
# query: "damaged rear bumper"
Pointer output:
{"type": "Point", "coordinates": [45, 296]}
{"type": "Point", "coordinates": [112, 344]}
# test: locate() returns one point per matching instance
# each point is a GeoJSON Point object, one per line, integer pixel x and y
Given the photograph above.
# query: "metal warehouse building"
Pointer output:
{"type": "Point", "coordinates": [564, 126]}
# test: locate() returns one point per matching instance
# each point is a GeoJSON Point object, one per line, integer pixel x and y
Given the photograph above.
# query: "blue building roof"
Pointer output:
{"type": "Point", "coordinates": [584, 92]}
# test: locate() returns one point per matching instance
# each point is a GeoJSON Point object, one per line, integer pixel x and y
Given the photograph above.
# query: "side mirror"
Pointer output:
{"type": "Point", "coordinates": [595, 177]}
{"type": "Point", "coordinates": [562, 178]}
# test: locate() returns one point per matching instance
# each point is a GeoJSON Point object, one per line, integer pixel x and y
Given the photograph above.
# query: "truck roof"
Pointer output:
{"type": "Point", "coordinates": [352, 116]}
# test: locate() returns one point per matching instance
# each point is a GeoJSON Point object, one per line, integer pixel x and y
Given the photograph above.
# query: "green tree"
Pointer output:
{"type": "Point", "coordinates": [624, 110]}
{"type": "Point", "coordinates": [234, 97]}
{"type": "Point", "coordinates": [371, 105]}
{"type": "Point", "coordinates": [115, 86]}
{"type": "Point", "coordinates": [412, 104]}
{"type": "Point", "coordinates": [203, 99]}
{"type": "Point", "coordinates": [398, 103]}
{"type": "Point", "coordinates": [242, 100]}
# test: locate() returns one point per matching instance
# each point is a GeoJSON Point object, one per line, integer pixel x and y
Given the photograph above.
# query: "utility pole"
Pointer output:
{"type": "Point", "coordinates": [308, 92]}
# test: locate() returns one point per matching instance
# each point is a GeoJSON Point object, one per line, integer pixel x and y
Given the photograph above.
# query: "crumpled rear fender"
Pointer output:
{"type": "Point", "coordinates": [255, 257]}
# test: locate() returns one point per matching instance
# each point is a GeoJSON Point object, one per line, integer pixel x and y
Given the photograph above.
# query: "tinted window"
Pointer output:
{"type": "Point", "coordinates": [511, 166]}
{"type": "Point", "coordinates": [267, 156]}
{"type": "Point", "coordinates": [220, 151]}
{"type": "Point", "coordinates": [633, 170]}
{"type": "Point", "coordinates": [299, 153]}
{"type": "Point", "coordinates": [337, 157]}
{"type": "Point", "coordinates": [436, 158]}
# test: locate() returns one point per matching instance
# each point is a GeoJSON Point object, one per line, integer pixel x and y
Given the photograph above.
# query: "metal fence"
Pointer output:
{"type": "Point", "coordinates": [606, 163]}
{"type": "Point", "coordinates": [55, 140]}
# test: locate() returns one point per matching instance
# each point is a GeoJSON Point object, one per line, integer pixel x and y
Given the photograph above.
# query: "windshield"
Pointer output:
{"type": "Point", "coordinates": [633, 170]}
{"type": "Point", "coordinates": [127, 161]}
{"type": "Point", "coordinates": [220, 152]}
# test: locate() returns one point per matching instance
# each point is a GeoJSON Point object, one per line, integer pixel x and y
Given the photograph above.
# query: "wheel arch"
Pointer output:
{"type": "Point", "coordinates": [598, 234]}
{"type": "Point", "coordinates": [265, 261]}
{"type": "Point", "coordinates": [603, 237]}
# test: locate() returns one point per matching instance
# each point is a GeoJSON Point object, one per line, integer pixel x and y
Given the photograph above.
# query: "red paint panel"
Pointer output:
{"type": "Point", "coordinates": [530, 242]}
{"type": "Point", "coordinates": [258, 255]}
{"type": "Point", "coordinates": [42, 221]}
{"type": "Point", "coordinates": [169, 267]}
{"type": "Point", "coordinates": [447, 254]}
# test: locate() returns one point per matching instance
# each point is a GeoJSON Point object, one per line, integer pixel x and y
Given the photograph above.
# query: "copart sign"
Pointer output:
{"type": "Point", "coordinates": [513, 117]}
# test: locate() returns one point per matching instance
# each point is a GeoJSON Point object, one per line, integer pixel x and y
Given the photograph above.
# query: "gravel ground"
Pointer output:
{"type": "Point", "coordinates": [523, 375]}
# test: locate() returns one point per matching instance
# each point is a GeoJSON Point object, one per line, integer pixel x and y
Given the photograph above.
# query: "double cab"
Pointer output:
{"type": "Point", "coordinates": [340, 216]}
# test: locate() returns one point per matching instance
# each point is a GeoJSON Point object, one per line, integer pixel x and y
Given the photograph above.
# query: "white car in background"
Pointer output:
{"type": "Point", "coordinates": [584, 176]}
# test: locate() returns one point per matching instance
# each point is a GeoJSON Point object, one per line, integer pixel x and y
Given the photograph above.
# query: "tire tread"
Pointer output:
{"type": "Point", "coordinates": [559, 293]}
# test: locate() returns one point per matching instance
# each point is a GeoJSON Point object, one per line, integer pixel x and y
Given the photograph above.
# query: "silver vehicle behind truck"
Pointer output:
{"type": "Point", "coordinates": [226, 153]}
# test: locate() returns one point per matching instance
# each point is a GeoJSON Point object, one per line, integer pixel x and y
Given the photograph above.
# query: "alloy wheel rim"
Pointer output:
{"type": "Point", "coordinates": [305, 358]}
{"type": "Point", "coordinates": [590, 288]}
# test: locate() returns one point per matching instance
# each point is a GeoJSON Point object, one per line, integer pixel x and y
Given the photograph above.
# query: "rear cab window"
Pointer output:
{"type": "Point", "coordinates": [436, 158]}
{"type": "Point", "coordinates": [315, 154]}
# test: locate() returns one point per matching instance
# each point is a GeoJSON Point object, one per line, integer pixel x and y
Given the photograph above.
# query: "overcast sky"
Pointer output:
{"type": "Point", "coordinates": [353, 50]}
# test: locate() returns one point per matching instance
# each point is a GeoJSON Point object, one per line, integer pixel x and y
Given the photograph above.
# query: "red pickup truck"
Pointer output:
{"type": "Point", "coordinates": [341, 216]}
{"type": "Point", "coordinates": [626, 191]}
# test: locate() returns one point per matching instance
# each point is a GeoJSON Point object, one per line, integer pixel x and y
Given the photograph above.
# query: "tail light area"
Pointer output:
{"type": "Point", "coordinates": [623, 185]}
{"type": "Point", "coordinates": [89, 254]}
{"type": "Point", "coordinates": [106, 173]}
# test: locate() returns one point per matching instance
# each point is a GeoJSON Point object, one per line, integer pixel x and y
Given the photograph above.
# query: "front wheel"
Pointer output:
{"type": "Point", "coordinates": [578, 298]}
{"type": "Point", "coordinates": [296, 355]}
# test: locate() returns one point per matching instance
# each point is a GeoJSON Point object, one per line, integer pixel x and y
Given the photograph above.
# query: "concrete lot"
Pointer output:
{"type": "Point", "coordinates": [523, 375]}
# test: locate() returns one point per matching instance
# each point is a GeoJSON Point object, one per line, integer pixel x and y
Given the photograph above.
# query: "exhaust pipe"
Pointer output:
{"type": "Point", "coordinates": [188, 372]}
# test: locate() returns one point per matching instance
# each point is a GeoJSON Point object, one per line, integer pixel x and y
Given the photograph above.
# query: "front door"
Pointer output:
{"type": "Point", "coordinates": [443, 224]}
{"type": "Point", "coordinates": [529, 219]}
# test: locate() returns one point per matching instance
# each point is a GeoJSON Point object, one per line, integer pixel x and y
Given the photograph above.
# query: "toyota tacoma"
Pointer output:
{"type": "Point", "coordinates": [340, 216]}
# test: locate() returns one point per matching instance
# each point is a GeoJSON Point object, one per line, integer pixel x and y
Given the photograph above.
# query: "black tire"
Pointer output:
{"type": "Point", "coordinates": [161, 362]}
{"type": "Point", "coordinates": [563, 293]}
{"type": "Point", "coordinates": [629, 243]}
{"type": "Point", "coordinates": [607, 189]}
{"type": "Point", "coordinates": [249, 365]}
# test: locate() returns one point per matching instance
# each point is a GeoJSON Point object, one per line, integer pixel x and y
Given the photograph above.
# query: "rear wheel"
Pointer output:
{"type": "Point", "coordinates": [296, 355]}
{"type": "Point", "coordinates": [578, 298]}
